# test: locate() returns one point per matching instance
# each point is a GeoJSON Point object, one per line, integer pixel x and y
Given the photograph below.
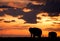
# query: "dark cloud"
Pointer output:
{"type": "Point", "coordinates": [1, 19]}
{"type": "Point", "coordinates": [4, 6]}
{"type": "Point", "coordinates": [1, 13]}
{"type": "Point", "coordinates": [52, 7]}
{"type": "Point", "coordinates": [39, 0]}
{"type": "Point", "coordinates": [38, 18]}
{"type": "Point", "coordinates": [7, 21]}
{"type": "Point", "coordinates": [12, 12]}
{"type": "Point", "coordinates": [56, 23]}
{"type": "Point", "coordinates": [12, 20]}
{"type": "Point", "coordinates": [52, 29]}
{"type": "Point", "coordinates": [30, 17]}
{"type": "Point", "coordinates": [35, 7]}
{"type": "Point", "coordinates": [1, 28]}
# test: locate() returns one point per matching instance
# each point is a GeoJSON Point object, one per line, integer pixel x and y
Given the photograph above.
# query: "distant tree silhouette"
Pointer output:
{"type": "Point", "coordinates": [52, 35]}
{"type": "Point", "coordinates": [35, 32]}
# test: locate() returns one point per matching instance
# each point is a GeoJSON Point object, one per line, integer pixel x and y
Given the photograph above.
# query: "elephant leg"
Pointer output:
{"type": "Point", "coordinates": [39, 36]}
{"type": "Point", "coordinates": [31, 35]}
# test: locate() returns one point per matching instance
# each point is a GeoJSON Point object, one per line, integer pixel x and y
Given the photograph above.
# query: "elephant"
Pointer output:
{"type": "Point", "coordinates": [52, 35]}
{"type": "Point", "coordinates": [35, 32]}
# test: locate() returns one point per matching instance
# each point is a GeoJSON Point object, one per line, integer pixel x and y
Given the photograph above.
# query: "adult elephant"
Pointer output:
{"type": "Point", "coordinates": [35, 32]}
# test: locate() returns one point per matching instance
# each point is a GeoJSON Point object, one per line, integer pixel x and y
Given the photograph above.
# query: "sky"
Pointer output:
{"type": "Point", "coordinates": [19, 3]}
{"type": "Point", "coordinates": [17, 21]}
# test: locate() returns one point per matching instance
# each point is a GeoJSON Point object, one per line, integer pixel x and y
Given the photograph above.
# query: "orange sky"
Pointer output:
{"type": "Point", "coordinates": [19, 28]}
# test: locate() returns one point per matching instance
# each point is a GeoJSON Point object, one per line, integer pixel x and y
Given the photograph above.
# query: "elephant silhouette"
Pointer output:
{"type": "Point", "coordinates": [35, 32]}
{"type": "Point", "coordinates": [52, 35]}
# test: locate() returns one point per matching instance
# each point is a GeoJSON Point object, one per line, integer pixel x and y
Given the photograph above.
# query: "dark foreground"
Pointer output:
{"type": "Point", "coordinates": [30, 39]}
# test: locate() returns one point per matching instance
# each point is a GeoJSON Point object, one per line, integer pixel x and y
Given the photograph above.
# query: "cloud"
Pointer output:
{"type": "Point", "coordinates": [1, 13]}
{"type": "Point", "coordinates": [1, 19]}
{"type": "Point", "coordinates": [12, 20]}
{"type": "Point", "coordinates": [29, 17]}
{"type": "Point", "coordinates": [11, 11]}
{"type": "Point", "coordinates": [56, 23]}
{"type": "Point", "coordinates": [7, 21]}
{"type": "Point", "coordinates": [53, 9]}
{"type": "Point", "coordinates": [1, 28]}
{"type": "Point", "coordinates": [39, 0]}
{"type": "Point", "coordinates": [53, 29]}
{"type": "Point", "coordinates": [37, 8]}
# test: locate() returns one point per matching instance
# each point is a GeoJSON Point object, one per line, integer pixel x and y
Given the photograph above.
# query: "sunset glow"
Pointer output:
{"type": "Point", "coordinates": [15, 25]}
{"type": "Point", "coordinates": [43, 23]}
